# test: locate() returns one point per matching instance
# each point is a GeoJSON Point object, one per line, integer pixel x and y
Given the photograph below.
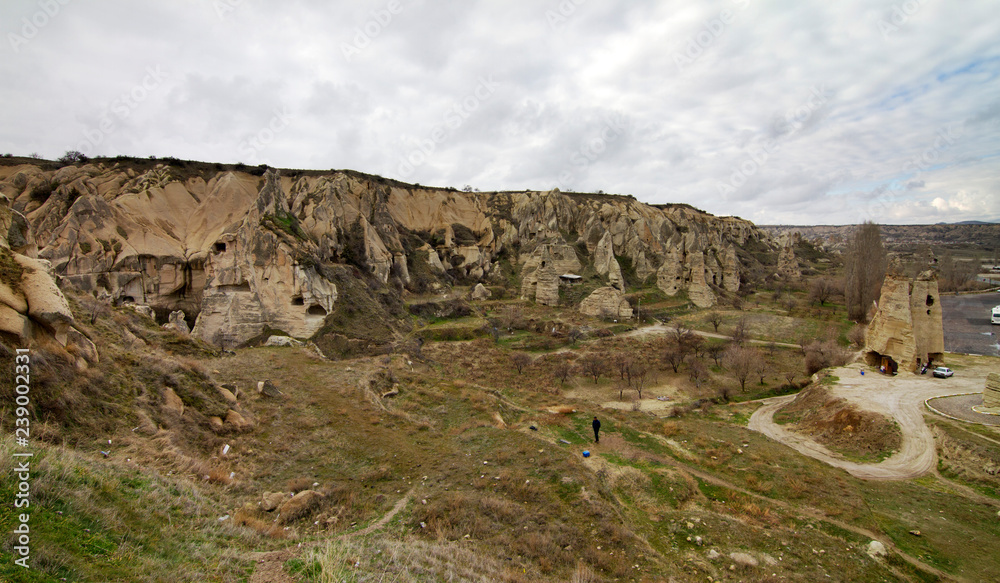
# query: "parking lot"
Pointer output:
{"type": "Point", "coordinates": [967, 327]}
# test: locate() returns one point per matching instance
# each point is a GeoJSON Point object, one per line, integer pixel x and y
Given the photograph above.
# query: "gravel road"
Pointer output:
{"type": "Point", "coordinates": [900, 397]}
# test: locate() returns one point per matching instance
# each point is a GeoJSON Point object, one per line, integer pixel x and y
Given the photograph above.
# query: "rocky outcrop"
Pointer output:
{"type": "Point", "coordinates": [991, 392]}
{"type": "Point", "coordinates": [541, 271]}
{"type": "Point", "coordinates": [480, 293]}
{"type": "Point", "coordinates": [788, 265]}
{"type": "Point", "coordinates": [605, 263]}
{"type": "Point", "coordinates": [907, 326]}
{"type": "Point", "coordinates": [606, 302]}
{"type": "Point", "coordinates": [32, 308]}
{"type": "Point", "coordinates": [240, 253]}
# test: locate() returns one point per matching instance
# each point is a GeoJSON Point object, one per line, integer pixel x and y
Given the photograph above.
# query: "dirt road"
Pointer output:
{"type": "Point", "coordinates": [901, 397]}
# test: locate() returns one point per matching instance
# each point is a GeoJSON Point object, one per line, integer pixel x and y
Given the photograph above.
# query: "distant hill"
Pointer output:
{"type": "Point", "coordinates": [967, 234]}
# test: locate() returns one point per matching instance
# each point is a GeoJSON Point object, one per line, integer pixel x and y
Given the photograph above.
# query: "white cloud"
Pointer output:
{"type": "Point", "coordinates": [871, 149]}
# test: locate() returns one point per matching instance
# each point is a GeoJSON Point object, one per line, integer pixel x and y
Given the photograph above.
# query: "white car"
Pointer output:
{"type": "Point", "coordinates": [943, 372]}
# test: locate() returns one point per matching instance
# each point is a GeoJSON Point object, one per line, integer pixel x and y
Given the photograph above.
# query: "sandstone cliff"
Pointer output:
{"type": "Point", "coordinates": [241, 253]}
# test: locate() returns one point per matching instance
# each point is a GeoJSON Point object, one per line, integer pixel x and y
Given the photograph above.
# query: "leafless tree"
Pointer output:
{"type": "Point", "coordinates": [857, 335]}
{"type": "Point", "coordinates": [697, 372]}
{"type": "Point", "coordinates": [742, 362]}
{"type": "Point", "coordinates": [715, 351]}
{"type": "Point", "coordinates": [512, 317]}
{"type": "Point", "coordinates": [520, 360]}
{"type": "Point", "coordinates": [740, 330]}
{"type": "Point", "coordinates": [594, 365]}
{"type": "Point", "coordinates": [789, 303]}
{"type": "Point", "coordinates": [822, 290]}
{"type": "Point", "coordinates": [715, 319]}
{"type": "Point", "coordinates": [865, 262]}
{"type": "Point", "coordinates": [563, 370]}
{"type": "Point", "coordinates": [955, 274]}
{"type": "Point", "coordinates": [673, 355]}
{"type": "Point", "coordinates": [638, 376]}
{"type": "Point", "coordinates": [622, 363]}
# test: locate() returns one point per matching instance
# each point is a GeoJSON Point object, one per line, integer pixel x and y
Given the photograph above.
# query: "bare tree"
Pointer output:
{"type": "Point", "coordinates": [697, 372]}
{"type": "Point", "coordinates": [789, 303]}
{"type": "Point", "coordinates": [822, 290]}
{"type": "Point", "coordinates": [742, 362]}
{"type": "Point", "coordinates": [512, 317]}
{"type": "Point", "coordinates": [715, 319]}
{"type": "Point", "coordinates": [865, 262]}
{"type": "Point", "coordinates": [857, 335]}
{"type": "Point", "coordinates": [638, 376]}
{"type": "Point", "coordinates": [673, 355]}
{"type": "Point", "coordinates": [715, 351]}
{"type": "Point", "coordinates": [955, 274]}
{"type": "Point", "coordinates": [563, 370]}
{"type": "Point", "coordinates": [740, 330]}
{"type": "Point", "coordinates": [622, 363]}
{"type": "Point", "coordinates": [595, 365]}
{"type": "Point", "coordinates": [520, 360]}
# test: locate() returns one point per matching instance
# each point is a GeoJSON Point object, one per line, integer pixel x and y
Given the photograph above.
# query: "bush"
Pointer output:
{"type": "Point", "coordinates": [73, 157]}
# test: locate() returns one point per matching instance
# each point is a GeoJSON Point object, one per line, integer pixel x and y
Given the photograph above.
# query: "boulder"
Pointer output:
{"type": "Point", "coordinates": [299, 506]}
{"type": "Point", "coordinates": [144, 310]}
{"type": "Point", "coordinates": [227, 395]}
{"type": "Point", "coordinates": [272, 500]}
{"type": "Point", "coordinates": [876, 549]}
{"type": "Point", "coordinates": [480, 293]}
{"type": "Point", "coordinates": [606, 302]}
{"type": "Point", "coordinates": [267, 389]}
{"type": "Point", "coordinates": [743, 559]}
{"type": "Point", "coordinates": [172, 403]}
{"type": "Point", "coordinates": [237, 421]}
{"type": "Point", "coordinates": [215, 423]}
{"type": "Point", "coordinates": [176, 322]}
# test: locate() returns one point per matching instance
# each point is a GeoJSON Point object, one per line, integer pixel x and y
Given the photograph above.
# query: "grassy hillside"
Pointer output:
{"type": "Point", "coordinates": [445, 463]}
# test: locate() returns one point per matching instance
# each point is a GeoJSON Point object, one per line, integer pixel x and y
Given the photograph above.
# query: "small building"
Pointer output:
{"type": "Point", "coordinates": [906, 332]}
{"type": "Point", "coordinates": [569, 279]}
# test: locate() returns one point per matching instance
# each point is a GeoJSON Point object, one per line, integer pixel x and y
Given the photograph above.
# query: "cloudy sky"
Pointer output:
{"type": "Point", "coordinates": [781, 111]}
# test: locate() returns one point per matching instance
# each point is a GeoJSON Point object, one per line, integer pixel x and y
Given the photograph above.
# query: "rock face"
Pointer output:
{"type": "Point", "coordinates": [606, 302]}
{"type": "Point", "coordinates": [239, 253]}
{"type": "Point", "coordinates": [788, 265]}
{"type": "Point", "coordinates": [991, 393]}
{"type": "Point", "coordinates": [907, 325]}
{"type": "Point", "coordinates": [32, 308]}
{"type": "Point", "coordinates": [480, 293]}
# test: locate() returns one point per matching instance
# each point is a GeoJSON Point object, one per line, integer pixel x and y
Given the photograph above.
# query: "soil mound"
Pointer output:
{"type": "Point", "coordinates": [841, 426]}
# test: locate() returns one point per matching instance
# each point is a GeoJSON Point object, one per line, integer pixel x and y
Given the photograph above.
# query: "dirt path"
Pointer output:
{"type": "Point", "coordinates": [271, 566]}
{"type": "Point", "coordinates": [615, 443]}
{"type": "Point", "coordinates": [901, 398]}
{"type": "Point", "coordinates": [661, 328]}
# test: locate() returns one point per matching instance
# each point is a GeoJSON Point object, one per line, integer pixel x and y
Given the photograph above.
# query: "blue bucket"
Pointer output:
{"type": "Point", "coordinates": [586, 453]}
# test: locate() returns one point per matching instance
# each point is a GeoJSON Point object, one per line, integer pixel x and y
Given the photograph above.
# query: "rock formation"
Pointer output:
{"type": "Point", "coordinates": [991, 392]}
{"type": "Point", "coordinates": [240, 253]}
{"type": "Point", "coordinates": [606, 302]}
{"type": "Point", "coordinates": [788, 265]}
{"type": "Point", "coordinates": [907, 326]}
{"type": "Point", "coordinates": [32, 308]}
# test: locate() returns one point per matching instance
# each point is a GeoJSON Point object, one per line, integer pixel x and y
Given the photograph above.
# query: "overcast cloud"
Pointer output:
{"type": "Point", "coordinates": [793, 112]}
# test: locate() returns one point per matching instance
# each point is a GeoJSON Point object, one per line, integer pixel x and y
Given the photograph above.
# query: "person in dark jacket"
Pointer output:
{"type": "Point", "coordinates": [597, 428]}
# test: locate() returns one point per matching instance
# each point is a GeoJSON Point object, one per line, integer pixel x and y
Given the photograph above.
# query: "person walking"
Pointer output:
{"type": "Point", "coordinates": [597, 428]}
